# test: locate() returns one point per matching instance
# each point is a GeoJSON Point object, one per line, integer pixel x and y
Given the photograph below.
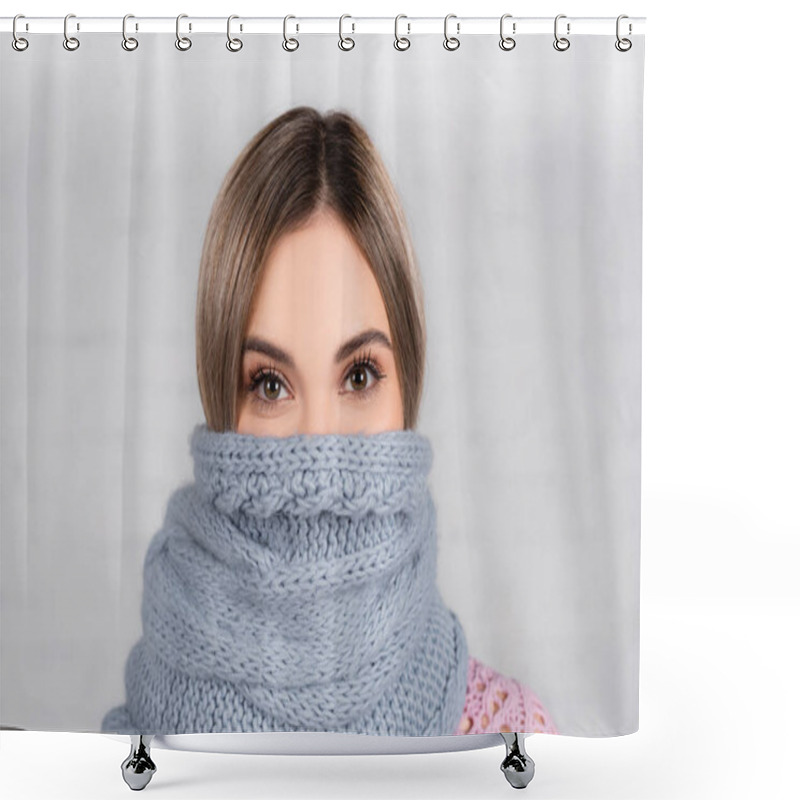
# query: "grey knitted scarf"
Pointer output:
{"type": "Point", "coordinates": [292, 587]}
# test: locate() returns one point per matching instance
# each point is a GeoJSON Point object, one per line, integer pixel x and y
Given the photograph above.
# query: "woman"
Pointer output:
{"type": "Point", "coordinates": [292, 586]}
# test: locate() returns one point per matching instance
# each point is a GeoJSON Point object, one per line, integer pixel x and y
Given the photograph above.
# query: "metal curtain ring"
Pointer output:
{"type": "Point", "coordinates": [623, 45]}
{"type": "Point", "coordinates": [289, 44]}
{"type": "Point", "coordinates": [182, 42]}
{"type": "Point", "coordinates": [507, 42]}
{"type": "Point", "coordinates": [401, 42]}
{"type": "Point", "coordinates": [70, 42]}
{"type": "Point", "coordinates": [234, 45]}
{"type": "Point", "coordinates": [451, 42]}
{"type": "Point", "coordinates": [350, 43]}
{"type": "Point", "coordinates": [560, 40]}
{"type": "Point", "coordinates": [18, 43]}
{"type": "Point", "coordinates": [128, 42]}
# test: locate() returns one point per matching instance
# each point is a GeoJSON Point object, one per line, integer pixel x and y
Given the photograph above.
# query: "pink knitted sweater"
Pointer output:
{"type": "Point", "coordinates": [497, 703]}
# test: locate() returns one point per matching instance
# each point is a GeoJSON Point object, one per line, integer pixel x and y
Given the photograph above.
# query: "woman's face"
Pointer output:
{"type": "Point", "coordinates": [317, 354]}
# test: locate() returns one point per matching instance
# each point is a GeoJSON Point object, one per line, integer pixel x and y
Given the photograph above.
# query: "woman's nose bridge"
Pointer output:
{"type": "Point", "coordinates": [318, 414]}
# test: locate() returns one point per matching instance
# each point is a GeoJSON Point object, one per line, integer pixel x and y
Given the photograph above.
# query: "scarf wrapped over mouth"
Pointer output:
{"type": "Point", "coordinates": [293, 587]}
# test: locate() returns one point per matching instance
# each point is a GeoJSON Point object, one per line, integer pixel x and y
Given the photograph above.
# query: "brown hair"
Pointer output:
{"type": "Point", "coordinates": [301, 163]}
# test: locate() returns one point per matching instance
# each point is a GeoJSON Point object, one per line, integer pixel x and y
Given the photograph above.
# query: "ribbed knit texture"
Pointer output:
{"type": "Point", "coordinates": [293, 587]}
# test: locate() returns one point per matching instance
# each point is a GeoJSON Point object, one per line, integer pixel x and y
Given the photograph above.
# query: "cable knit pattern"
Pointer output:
{"type": "Point", "coordinates": [292, 587]}
{"type": "Point", "coordinates": [496, 703]}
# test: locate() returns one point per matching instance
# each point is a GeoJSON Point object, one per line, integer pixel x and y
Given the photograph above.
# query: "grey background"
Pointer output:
{"type": "Point", "coordinates": [521, 177]}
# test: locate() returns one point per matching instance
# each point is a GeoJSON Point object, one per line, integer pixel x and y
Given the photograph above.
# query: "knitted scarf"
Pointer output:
{"type": "Point", "coordinates": [292, 587]}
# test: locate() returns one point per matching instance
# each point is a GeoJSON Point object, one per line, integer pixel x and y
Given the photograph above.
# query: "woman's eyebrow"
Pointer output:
{"type": "Point", "coordinates": [350, 346]}
{"type": "Point", "coordinates": [268, 349]}
{"type": "Point", "coordinates": [359, 340]}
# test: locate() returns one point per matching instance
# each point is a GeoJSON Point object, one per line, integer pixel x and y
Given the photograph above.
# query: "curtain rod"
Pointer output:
{"type": "Point", "coordinates": [459, 26]}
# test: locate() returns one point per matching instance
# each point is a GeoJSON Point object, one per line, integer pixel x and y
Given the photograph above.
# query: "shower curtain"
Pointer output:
{"type": "Point", "coordinates": [456, 552]}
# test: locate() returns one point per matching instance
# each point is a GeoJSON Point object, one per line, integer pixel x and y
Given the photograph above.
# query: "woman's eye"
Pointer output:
{"type": "Point", "coordinates": [359, 378]}
{"type": "Point", "coordinates": [363, 377]}
{"type": "Point", "coordinates": [271, 387]}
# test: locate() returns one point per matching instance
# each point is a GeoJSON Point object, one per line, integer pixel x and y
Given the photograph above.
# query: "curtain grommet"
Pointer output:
{"type": "Point", "coordinates": [401, 42]}
{"type": "Point", "coordinates": [129, 43]}
{"type": "Point", "coordinates": [507, 42]}
{"type": "Point", "coordinates": [561, 43]}
{"type": "Point", "coordinates": [623, 44]}
{"type": "Point", "coordinates": [345, 42]}
{"type": "Point", "coordinates": [234, 45]}
{"type": "Point", "coordinates": [451, 42]}
{"type": "Point", "coordinates": [290, 44]}
{"type": "Point", "coordinates": [70, 43]}
{"type": "Point", "coordinates": [19, 43]}
{"type": "Point", "coordinates": [183, 43]}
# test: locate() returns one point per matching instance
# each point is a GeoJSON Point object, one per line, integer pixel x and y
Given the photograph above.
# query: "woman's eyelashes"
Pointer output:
{"type": "Point", "coordinates": [269, 387]}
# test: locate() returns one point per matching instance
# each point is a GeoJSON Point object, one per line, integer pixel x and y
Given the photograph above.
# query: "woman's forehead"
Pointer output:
{"type": "Point", "coordinates": [316, 287]}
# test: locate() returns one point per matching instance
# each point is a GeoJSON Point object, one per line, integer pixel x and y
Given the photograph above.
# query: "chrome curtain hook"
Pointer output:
{"type": "Point", "coordinates": [128, 42]}
{"type": "Point", "coordinates": [507, 42]}
{"type": "Point", "coordinates": [234, 45]}
{"type": "Point", "coordinates": [182, 42]}
{"type": "Point", "coordinates": [70, 42]}
{"type": "Point", "coordinates": [623, 45]}
{"type": "Point", "coordinates": [401, 42]}
{"type": "Point", "coordinates": [290, 44]}
{"type": "Point", "coordinates": [18, 43]}
{"type": "Point", "coordinates": [561, 43]}
{"type": "Point", "coordinates": [451, 42]}
{"type": "Point", "coordinates": [350, 44]}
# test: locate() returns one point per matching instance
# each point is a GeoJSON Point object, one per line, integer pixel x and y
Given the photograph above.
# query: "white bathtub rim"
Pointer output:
{"type": "Point", "coordinates": [317, 743]}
